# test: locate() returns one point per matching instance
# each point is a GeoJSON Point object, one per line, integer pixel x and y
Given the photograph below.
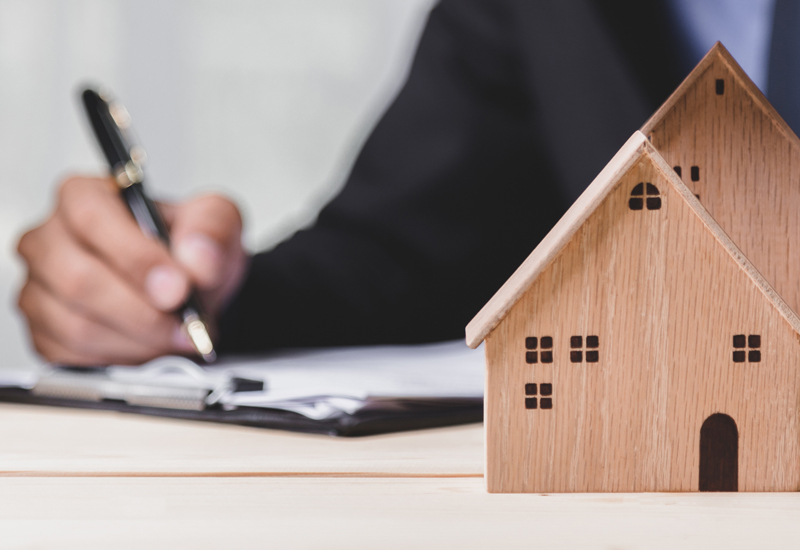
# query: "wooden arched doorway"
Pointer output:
{"type": "Point", "coordinates": [719, 454]}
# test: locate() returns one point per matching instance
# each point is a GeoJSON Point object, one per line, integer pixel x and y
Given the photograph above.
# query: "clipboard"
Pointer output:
{"type": "Point", "coordinates": [411, 416]}
{"type": "Point", "coordinates": [340, 392]}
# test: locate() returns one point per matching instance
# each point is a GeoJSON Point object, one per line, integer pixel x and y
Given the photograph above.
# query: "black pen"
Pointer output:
{"type": "Point", "coordinates": [111, 122]}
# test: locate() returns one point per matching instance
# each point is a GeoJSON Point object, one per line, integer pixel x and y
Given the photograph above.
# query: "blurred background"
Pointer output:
{"type": "Point", "coordinates": [266, 101]}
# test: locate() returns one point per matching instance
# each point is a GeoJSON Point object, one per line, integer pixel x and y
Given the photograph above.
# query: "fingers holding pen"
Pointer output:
{"type": "Point", "coordinates": [206, 236]}
{"type": "Point", "coordinates": [207, 243]}
{"type": "Point", "coordinates": [99, 291]}
{"type": "Point", "coordinates": [59, 268]}
{"type": "Point", "coordinates": [92, 211]}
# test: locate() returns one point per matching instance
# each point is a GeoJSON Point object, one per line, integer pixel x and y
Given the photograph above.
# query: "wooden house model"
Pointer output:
{"type": "Point", "coordinates": [650, 341]}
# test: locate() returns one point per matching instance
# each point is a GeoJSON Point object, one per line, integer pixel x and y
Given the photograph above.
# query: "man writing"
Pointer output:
{"type": "Point", "coordinates": [510, 109]}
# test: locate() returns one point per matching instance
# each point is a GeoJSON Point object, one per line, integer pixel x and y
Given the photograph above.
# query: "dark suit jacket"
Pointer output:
{"type": "Point", "coordinates": [510, 110]}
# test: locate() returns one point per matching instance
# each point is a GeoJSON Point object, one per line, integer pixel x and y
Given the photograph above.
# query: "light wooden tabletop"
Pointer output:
{"type": "Point", "coordinates": [69, 442]}
{"type": "Point", "coordinates": [88, 479]}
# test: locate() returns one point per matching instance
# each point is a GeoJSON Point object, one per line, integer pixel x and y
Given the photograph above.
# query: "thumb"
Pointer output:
{"type": "Point", "coordinates": [206, 236]}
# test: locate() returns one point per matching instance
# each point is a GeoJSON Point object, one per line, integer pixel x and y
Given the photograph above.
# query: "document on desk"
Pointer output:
{"type": "Point", "coordinates": [320, 383]}
{"type": "Point", "coordinates": [317, 384]}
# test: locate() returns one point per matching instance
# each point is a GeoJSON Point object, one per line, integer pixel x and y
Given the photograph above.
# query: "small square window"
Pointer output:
{"type": "Point", "coordinates": [695, 173]}
{"type": "Point", "coordinates": [677, 170]}
{"type": "Point", "coordinates": [591, 341]}
{"type": "Point", "coordinates": [544, 402]}
{"type": "Point", "coordinates": [654, 203]}
{"type": "Point", "coordinates": [752, 343]}
{"type": "Point", "coordinates": [635, 204]}
{"type": "Point", "coordinates": [532, 343]}
{"type": "Point", "coordinates": [547, 356]}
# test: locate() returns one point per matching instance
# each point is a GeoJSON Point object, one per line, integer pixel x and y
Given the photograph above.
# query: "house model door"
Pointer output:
{"type": "Point", "coordinates": [719, 454]}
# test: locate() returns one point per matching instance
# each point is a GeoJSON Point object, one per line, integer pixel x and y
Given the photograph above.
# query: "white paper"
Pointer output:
{"type": "Point", "coordinates": [25, 379]}
{"type": "Point", "coordinates": [325, 382]}
{"type": "Point", "coordinates": [316, 383]}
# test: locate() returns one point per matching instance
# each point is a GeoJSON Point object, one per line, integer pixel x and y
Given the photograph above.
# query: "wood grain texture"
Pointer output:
{"type": "Point", "coordinates": [86, 514]}
{"type": "Point", "coordinates": [665, 291]}
{"type": "Point", "coordinates": [323, 512]}
{"type": "Point", "coordinates": [46, 441]}
{"type": "Point", "coordinates": [748, 164]}
{"type": "Point", "coordinates": [505, 298]}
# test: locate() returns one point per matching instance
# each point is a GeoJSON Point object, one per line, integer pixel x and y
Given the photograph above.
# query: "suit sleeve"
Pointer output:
{"type": "Point", "coordinates": [447, 197]}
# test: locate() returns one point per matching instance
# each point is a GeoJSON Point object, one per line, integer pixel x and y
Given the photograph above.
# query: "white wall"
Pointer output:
{"type": "Point", "coordinates": [267, 101]}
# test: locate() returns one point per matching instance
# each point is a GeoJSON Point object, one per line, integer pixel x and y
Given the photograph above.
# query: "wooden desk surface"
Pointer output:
{"type": "Point", "coordinates": [52, 441]}
{"type": "Point", "coordinates": [85, 479]}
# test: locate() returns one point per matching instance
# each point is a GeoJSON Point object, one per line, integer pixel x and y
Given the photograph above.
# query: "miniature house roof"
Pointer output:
{"type": "Point", "coordinates": [740, 157]}
{"type": "Point", "coordinates": [719, 53]}
{"type": "Point", "coordinates": [550, 247]}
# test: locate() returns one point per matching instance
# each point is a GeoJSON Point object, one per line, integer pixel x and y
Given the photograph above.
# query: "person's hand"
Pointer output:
{"type": "Point", "coordinates": [98, 291]}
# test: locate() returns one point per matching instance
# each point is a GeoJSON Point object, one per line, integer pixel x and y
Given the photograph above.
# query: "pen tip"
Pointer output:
{"type": "Point", "coordinates": [198, 334]}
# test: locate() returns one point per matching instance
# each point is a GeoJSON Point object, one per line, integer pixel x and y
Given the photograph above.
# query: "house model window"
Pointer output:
{"type": "Point", "coordinates": [747, 347]}
{"type": "Point", "coordinates": [545, 390]}
{"type": "Point", "coordinates": [694, 172]}
{"type": "Point", "coordinates": [532, 344]}
{"type": "Point", "coordinates": [576, 353]}
{"type": "Point", "coordinates": [637, 200]}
